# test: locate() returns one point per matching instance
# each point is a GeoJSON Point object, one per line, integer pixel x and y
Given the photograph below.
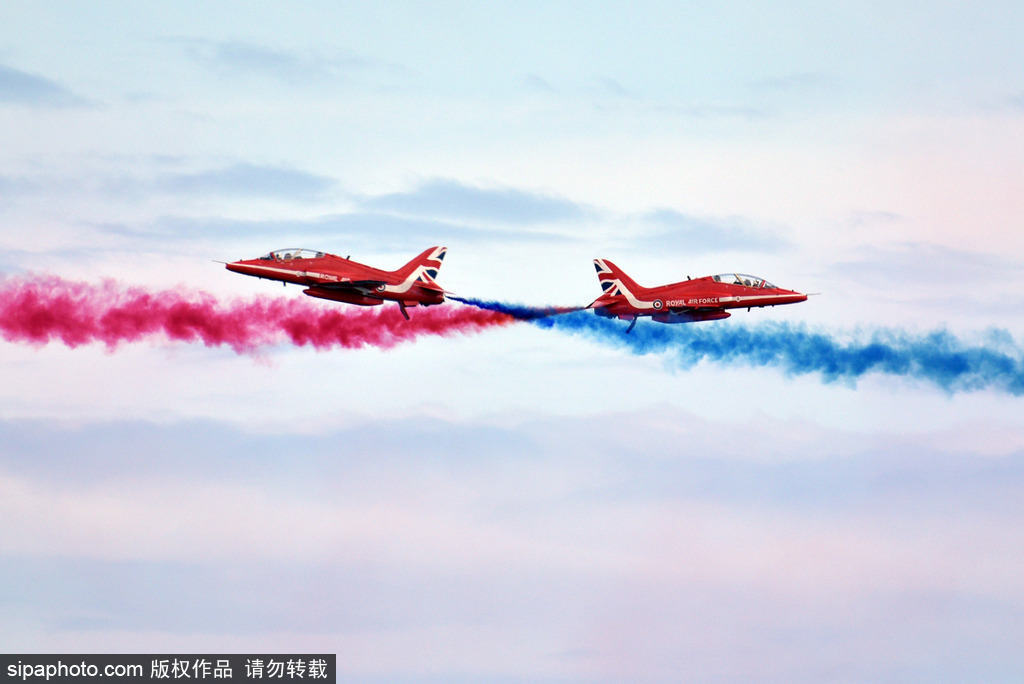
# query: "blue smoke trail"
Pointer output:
{"type": "Point", "coordinates": [518, 311]}
{"type": "Point", "coordinates": [938, 357]}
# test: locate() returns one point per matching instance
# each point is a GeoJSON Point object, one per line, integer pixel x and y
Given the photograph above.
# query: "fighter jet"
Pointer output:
{"type": "Point", "coordinates": [689, 301]}
{"type": "Point", "coordinates": [328, 276]}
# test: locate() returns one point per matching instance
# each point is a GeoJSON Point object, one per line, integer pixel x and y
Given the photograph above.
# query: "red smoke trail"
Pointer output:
{"type": "Point", "coordinates": [42, 309]}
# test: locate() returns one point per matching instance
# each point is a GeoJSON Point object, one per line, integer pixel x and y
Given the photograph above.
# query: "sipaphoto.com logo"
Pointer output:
{"type": "Point", "coordinates": [60, 670]}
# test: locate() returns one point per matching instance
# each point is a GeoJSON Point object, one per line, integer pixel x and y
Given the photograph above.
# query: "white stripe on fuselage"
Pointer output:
{"type": "Point", "coordinates": [400, 288]}
{"type": "Point", "coordinates": [716, 302]}
{"type": "Point", "coordinates": [631, 298]}
{"type": "Point", "coordinates": [326, 277]}
{"type": "Point", "coordinates": [405, 285]}
{"type": "Point", "coordinates": [697, 301]}
{"type": "Point", "coordinates": [271, 269]}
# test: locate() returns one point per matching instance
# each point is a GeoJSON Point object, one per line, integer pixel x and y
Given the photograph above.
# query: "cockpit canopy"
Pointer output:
{"type": "Point", "coordinates": [742, 279]}
{"type": "Point", "coordinates": [292, 253]}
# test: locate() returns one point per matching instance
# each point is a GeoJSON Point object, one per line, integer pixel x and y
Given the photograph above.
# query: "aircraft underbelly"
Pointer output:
{"type": "Point", "coordinates": [691, 316]}
{"type": "Point", "coordinates": [347, 296]}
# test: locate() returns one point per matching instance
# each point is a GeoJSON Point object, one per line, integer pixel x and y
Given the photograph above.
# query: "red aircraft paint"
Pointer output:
{"type": "Point", "coordinates": [328, 276]}
{"type": "Point", "coordinates": [690, 301]}
{"type": "Point", "coordinates": [38, 310]}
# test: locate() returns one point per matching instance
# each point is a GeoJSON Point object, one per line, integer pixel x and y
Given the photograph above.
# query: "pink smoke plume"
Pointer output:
{"type": "Point", "coordinates": [41, 309]}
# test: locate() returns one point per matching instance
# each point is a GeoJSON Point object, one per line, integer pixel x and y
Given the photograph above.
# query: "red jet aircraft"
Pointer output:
{"type": "Point", "coordinates": [702, 299]}
{"type": "Point", "coordinates": [332, 277]}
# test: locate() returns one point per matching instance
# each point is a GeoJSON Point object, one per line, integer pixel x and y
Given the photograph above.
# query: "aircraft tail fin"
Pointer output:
{"type": "Point", "coordinates": [424, 268]}
{"type": "Point", "coordinates": [614, 280]}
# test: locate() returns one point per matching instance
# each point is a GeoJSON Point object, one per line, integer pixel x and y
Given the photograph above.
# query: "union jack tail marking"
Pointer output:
{"type": "Point", "coordinates": [424, 268]}
{"type": "Point", "coordinates": [615, 283]}
{"type": "Point", "coordinates": [614, 280]}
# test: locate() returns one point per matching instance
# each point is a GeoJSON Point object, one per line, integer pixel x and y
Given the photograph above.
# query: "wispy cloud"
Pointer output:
{"type": "Point", "coordinates": [714, 111]}
{"type": "Point", "coordinates": [438, 210]}
{"type": "Point", "coordinates": [955, 284]}
{"type": "Point", "coordinates": [539, 84]}
{"type": "Point", "coordinates": [449, 199]}
{"type": "Point", "coordinates": [369, 228]}
{"type": "Point", "coordinates": [355, 233]}
{"type": "Point", "coordinates": [249, 180]}
{"type": "Point", "coordinates": [799, 82]}
{"type": "Point", "coordinates": [21, 87]}
{"type": "Point", "coordinates": [660, 523]}
{"type": "Point", "coordinates": [238, 58]}
{"type": "Point", "coordinates": [240, 179]}
{"type": "Point", "coordinates": [17, 185]}
{"type": "Point", "coordinates": [610, 86]}
{"type": "Point", "coordinates": [676, 231]}
{"type": "Point", "coordinates": [929, 265]}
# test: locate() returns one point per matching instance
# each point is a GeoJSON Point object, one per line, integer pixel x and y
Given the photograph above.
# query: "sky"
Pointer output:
{"type": "Point", "coordinates": [541, 501]}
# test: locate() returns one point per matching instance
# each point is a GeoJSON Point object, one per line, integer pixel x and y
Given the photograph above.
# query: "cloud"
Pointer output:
{"type": "Point", "coordinates": [676, 231]}
{"type": "Point", "coordinates": [938, 278]}
{"type": "Point", "coordinates": [368, 228]}
{"type": "Point", "coordinates": [806, 81]}
{"type": "Point", "coordinates": [715, 111]}
{"type": "Point", "coordinates": [573, 544]}
{"type": "Point", "coordinates": [248, 180]}
{"type": "Point", "coordinates": [437, 212]}
{"type": "Point", "coordinates": [929, 265]}
{"type": "Point", "coordinates": [11, 186]}
{"type": "Point", "coordinates": [21, 87]}
{"type": "Point", "coordinates": [241, 179]}
{"type": "Point", "coordinates": [452, 200]}
{"type": "Point", "coordinates": [240, 58]}
{"type": "Point", "coordinates": [610, 86]}
{"type": "Point", "coordinates": [539, 84]}
{"type": "Point", "coordinates": [351, 234]}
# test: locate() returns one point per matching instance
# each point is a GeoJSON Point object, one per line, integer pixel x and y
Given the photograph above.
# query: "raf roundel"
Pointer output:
{"type": "Point", "coordinates": [658, 304]}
